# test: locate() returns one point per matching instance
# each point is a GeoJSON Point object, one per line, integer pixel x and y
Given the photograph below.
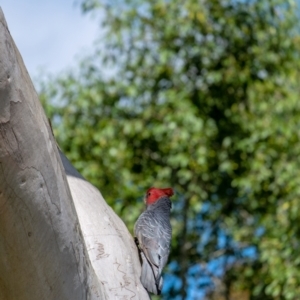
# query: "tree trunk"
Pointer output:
{"type": "Point", "coordinates": [58, 237]}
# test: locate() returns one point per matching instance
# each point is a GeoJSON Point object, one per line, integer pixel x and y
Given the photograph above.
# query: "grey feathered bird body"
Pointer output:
{"type": "Point", "coordinates": [153, 231]}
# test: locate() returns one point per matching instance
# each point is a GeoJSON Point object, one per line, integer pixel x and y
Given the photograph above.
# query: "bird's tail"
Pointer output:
{"type": "Point", "coordinates": [148, 280]}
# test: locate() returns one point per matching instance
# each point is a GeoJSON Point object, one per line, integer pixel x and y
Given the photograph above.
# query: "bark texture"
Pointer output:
{"type": "Point", "coordinates": [43, 254]}
{"type": "Point", "coordinates": [111, 248]}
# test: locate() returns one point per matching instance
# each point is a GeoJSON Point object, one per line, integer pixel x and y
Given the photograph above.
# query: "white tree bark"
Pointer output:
{"type": "Point", "coordinates": [49, 249]}
{"type": "Point", "coordinates": [111, 248]}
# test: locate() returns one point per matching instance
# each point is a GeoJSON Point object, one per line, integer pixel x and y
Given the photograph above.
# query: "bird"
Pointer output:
{"type": "Point", "coordinates": [153, 233]}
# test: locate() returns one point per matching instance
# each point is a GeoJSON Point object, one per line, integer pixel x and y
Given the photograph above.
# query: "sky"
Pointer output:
{"type": "Point", "coordinates": [49, 34]}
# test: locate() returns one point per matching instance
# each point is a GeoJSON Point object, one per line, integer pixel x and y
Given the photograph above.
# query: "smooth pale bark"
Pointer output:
{"type": "Point", "coordinates": [43, 254]}
{"type": "Point", "coordinates": [112, 250]}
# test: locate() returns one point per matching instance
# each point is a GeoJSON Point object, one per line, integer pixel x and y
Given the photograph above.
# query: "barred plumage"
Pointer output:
{"type": "Point", "coordinates": [153, 232]}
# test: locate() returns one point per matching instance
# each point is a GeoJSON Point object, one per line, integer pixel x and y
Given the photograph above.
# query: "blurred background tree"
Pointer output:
{"type": "Point", "coordinates": [200, 95]}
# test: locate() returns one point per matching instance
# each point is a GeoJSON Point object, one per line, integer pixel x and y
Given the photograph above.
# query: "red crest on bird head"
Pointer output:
{"type": "Point", "coordinates": [153, 194]}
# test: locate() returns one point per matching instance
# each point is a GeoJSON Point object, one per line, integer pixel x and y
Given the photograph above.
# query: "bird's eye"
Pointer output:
{"type": "Point", "coordinates": [148, 194]}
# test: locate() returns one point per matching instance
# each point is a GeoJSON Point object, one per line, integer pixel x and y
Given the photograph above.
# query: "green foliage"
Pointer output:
{"type": "Point", "coordinates": [202, 96]}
